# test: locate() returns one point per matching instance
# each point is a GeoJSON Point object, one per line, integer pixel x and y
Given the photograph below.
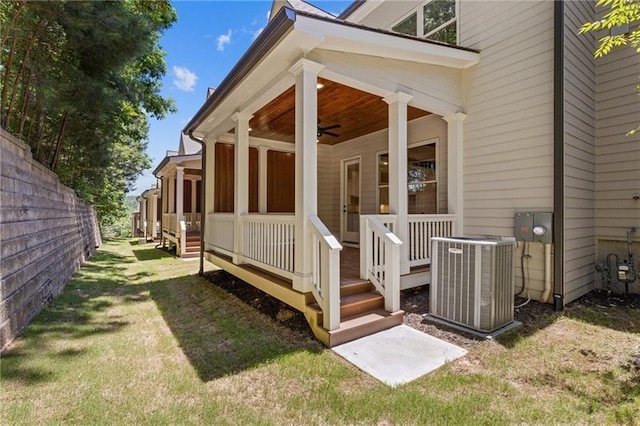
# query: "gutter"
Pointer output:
{"type": "Point", "coordinates": [351, 8]}
{"type": "Point", "coordinates": [558, 154]}
{"type": "Point", "coordinates": [277, 28]}
{"type": "Point", "coordinates": [202, 198]}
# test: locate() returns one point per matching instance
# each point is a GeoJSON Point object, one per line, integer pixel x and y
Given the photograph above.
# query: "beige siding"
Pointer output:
{"type": "Point", "coordinates": [508, 140]}
{"type": "Point", "coordinates": [508, 154]}
{"type": "Point", "coordinates": [579, 157]}
{"type": "Point", "coordinates": [325, 180]}
{"type": "Point", "coordinates": [617, 155]}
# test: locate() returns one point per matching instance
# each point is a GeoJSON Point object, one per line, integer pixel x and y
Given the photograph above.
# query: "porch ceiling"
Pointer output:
{"type": "Point", "coordinates": [359, 113]}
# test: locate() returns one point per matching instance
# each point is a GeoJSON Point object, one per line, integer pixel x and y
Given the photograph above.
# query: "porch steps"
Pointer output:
{"type": "Point", "coordinates": [361, 311]}
{"type": "Point", "coordinates": [192, 247]}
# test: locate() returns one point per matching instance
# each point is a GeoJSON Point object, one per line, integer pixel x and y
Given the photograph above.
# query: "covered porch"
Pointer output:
{"type": "Point", "coordinates": [375, 164]}
{"type": "Point", "coordinates": [180, 203]}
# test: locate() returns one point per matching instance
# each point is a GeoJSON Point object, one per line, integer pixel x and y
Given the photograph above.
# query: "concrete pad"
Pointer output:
{"type": "Point", "coordinates": [398, 355]}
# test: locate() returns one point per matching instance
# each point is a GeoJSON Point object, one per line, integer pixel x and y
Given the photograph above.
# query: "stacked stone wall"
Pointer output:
{"type": "Point", "coordinates": [46, 233]}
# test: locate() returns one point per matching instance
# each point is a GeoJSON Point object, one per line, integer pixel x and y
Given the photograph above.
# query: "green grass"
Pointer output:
{"type": "Point", "coordinates": [138, 338]}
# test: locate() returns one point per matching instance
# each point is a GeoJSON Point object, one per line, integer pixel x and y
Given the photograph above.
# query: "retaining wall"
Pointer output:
{"type": "Point", "coordinates": [46, 233]}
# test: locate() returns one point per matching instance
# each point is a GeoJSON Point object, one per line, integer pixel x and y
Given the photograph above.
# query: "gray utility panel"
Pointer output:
{"type": "Point", "coordinates": [534, 227]}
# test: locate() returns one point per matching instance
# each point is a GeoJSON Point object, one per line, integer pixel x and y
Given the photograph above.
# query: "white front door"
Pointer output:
{"type": "Point", "coordinates": [350, 200]}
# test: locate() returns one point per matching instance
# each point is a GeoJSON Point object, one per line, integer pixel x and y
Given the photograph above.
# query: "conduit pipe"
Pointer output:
{"type": "Point", "coordinates": [546, 294]}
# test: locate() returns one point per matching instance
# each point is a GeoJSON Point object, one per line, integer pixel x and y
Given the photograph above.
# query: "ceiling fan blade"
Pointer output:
{"type": "Point", "coordinates": [334, 126]}
{"type": "Point", "coordinates": [335, 135]}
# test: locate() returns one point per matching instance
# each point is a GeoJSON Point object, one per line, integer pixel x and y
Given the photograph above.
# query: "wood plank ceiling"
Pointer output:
{"type": "Point", "coordinates": [359, 113]}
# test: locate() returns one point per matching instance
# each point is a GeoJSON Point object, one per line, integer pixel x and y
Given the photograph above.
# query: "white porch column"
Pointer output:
{"type": "Point", "coordinates": [179, 195]}
{"type": "Point", "coordinates": [154, 214]}
{"type": "Point", "coordinates": [262, 179]}
{"type": "Point", "coordinates": [306, 204]}
{"type": "Point", "coordinates": [240, 181]}
{"type": "Point", "coordinates": [143, 217]}
{"type": "Point", "coordinates": [398, 201]}
{"type": "Point", "coordinates": [455, 168]}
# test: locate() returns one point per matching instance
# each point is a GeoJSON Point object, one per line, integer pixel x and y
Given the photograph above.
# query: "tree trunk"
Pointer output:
{"type": "Point", "coordinates": [14, 89]}
{"type": "Point", "coordinates": [26, 97]}
{"type": "Point", "coordinates": [6, 33]}
{"type": "Point", "coordinates": [5, 82]}
{"type": "Point", "coordinates": [56, 153]}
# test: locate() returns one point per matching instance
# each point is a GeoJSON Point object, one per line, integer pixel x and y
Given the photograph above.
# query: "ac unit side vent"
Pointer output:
{"type": "Point", "coordinates": [472, 282]}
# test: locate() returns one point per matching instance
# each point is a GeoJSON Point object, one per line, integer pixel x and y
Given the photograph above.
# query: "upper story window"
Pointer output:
{"type": "Point", "coordinates": [435, 20]}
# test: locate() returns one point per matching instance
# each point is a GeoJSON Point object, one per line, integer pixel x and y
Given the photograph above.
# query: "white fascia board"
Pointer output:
{"type": "Point", "coordinates": [344, 38]}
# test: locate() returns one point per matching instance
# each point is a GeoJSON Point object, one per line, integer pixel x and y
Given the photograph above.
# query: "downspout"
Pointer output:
{"type": "Point", "coordinates": [558, 154]}
{"type": "Point", "coordinates": [202, 198]}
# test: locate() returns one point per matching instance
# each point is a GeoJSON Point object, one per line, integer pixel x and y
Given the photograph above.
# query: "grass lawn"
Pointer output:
{"type": "Point", "coordinates": [137, 338]}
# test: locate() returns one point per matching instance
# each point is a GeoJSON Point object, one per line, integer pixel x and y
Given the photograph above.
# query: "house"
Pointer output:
{"type": "Point", "coordinates": [150, 208]}
{"type": "Point", "coordinates": [337, 147]}
{"type": "Point", "coordinates": [181, 184]}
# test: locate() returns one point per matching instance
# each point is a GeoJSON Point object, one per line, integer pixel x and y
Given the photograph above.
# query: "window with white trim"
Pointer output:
{"type": "Point", "coordinates": [434, 20]}
{"type": "Point", "coordinates": [422, 180]}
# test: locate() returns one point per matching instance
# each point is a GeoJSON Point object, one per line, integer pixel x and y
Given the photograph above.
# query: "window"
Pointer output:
{"type": "Point", "coordinates": [408, 25]}
{"type": "Point", "coordinates": [422, 181]}
{"type": "Point", "coordinates": [434, 20]}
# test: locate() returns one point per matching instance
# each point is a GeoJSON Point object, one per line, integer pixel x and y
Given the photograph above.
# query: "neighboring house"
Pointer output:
{"type": "Point", "coordinates": [181, 185]}
{"type": "Point", "coordinates": [150, 202]}
{"type": "Point", "coordinates": [392, 139]}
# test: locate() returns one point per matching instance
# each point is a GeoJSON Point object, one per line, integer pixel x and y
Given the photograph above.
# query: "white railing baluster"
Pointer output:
{"type": "Point", "coordinates": [268, 241]}
{"type": "Point", "coordinates": [381, 258]}
{"type": "Point", "coordinates": [422, 228]}
{"type": "Point", "coordinates": [325, 273]}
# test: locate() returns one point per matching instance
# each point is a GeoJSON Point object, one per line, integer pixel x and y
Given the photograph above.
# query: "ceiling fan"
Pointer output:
{"type": "Point", "coordinates": [325, 130]}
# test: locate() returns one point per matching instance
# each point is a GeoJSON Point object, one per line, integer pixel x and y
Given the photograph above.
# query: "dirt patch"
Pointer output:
{"type": "Point", "coordinates": [259, 300]}
{"type": "Point", "coordinates": [415, 302]}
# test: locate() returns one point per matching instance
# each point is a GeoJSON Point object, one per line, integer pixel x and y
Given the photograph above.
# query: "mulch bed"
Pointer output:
{"type": "Point", "coordinates": [415, 303]}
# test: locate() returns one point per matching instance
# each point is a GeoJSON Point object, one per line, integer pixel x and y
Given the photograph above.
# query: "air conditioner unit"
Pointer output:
{"type": "Point", "coordinates": [472, 282]}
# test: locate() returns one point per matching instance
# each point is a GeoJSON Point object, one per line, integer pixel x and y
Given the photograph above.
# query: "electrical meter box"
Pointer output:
{"type": "Point", "coordinates": [534, 227]}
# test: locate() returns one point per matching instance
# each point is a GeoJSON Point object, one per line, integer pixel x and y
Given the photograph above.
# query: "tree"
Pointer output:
{"type": "Point", "coordinates": [80, 80]}
{"type": "Point", "coordinates": [620, 14]}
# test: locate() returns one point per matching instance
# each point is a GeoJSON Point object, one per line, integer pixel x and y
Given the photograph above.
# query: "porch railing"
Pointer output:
{"type": "Point", "coordinates": [268, 242]}
{"type": "Point", "coordinates": [192, 221]}
{"type": "Point", "coordinates": [423, 227]}
{"type": "Point", "coordinates": [220, 230]}
{"type": "Point", "coordinates": [325, 272]}
{"type": "Point", "coordinates": [380, 260]}
{"type": "Point", "coordinates": [169, 223]}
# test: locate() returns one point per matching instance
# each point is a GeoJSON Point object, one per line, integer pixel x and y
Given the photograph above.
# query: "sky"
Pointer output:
{"type": "Point", "coordinates": [207, 40]}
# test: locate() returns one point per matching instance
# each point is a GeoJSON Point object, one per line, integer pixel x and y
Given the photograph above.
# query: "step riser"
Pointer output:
{"type": "Point", "coordinates": [349, 310]}
{"type": "Point", "coordinates": [356, 288]}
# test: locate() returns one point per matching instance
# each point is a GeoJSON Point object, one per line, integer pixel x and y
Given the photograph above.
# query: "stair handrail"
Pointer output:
{"type": "Point", "coordinates": [380, 260]}
{"type": "Point", "coordinates": [325, 272]}
{"type": "Point", "coordinates": [183, 236]}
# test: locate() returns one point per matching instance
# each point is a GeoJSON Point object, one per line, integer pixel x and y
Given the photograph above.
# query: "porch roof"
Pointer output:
{"type": "Point", "coordinates": [292, 34]}
{"type": "Point", "coordinates": [169, 162]}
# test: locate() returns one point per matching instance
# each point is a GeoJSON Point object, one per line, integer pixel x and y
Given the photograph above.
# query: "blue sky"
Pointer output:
{"type": "Point", "coordinates": [202, 46]}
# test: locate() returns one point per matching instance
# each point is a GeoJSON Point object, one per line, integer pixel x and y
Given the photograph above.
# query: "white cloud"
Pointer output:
{"type": "Point", "coordinates": [184, 79]}
{"type": "Point", "coordinates": [256, 33]}
{"type": "Point", "coordinates": [223, 40]}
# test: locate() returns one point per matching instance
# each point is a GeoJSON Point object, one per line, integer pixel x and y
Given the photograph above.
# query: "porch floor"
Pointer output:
{"type": "Point", "coordinates": [350, 266]}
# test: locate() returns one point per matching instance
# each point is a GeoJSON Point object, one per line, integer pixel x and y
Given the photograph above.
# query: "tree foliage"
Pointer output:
{"type": "Point", "coordinates": [623, 17]}
{"type": "Point", "coordinates": [80, 80]}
